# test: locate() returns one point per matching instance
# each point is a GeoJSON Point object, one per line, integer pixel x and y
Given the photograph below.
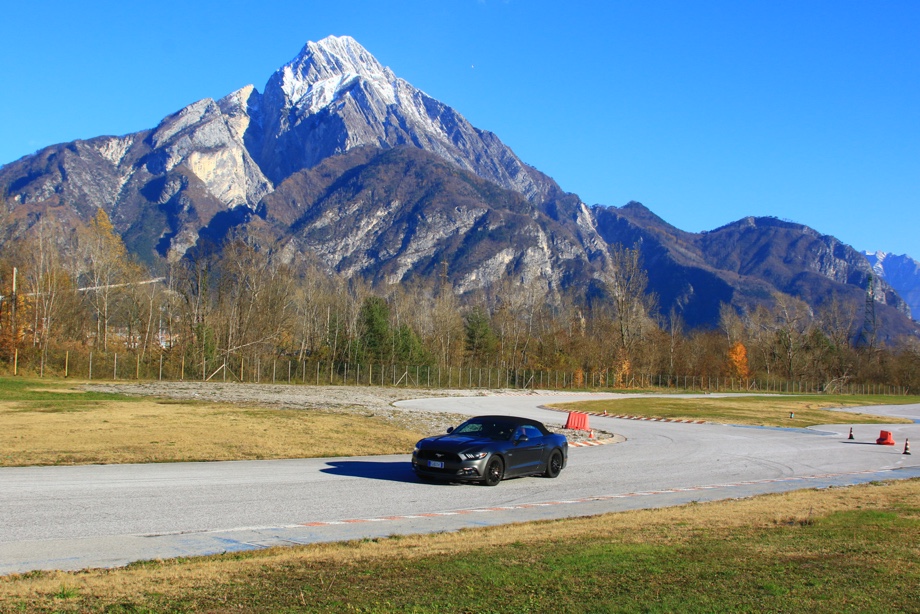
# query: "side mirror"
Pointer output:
{"type": "Point", "coordinates": [521, 438]}
{"type": "Point", "coordinates": [450, 429]}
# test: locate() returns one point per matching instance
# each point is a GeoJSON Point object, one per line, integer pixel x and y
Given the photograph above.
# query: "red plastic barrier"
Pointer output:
{"type": "Point", "coordinates": [577, 421]}
{"type": "Point", "coordinates": [885, 439]}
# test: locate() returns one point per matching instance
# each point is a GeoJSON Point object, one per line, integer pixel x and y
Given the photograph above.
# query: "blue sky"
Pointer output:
{"type": "Point", "coordinates": [705, 112]}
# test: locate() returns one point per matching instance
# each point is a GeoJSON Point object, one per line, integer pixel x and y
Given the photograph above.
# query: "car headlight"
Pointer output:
{"type": "Point", "coordinates": [474, 455]}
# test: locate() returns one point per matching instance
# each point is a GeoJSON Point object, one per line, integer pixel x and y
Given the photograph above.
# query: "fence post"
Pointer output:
{"type": "Point", "coordinates": [115, 368]}
{"type": "Point", "coordinates": [66, 363]}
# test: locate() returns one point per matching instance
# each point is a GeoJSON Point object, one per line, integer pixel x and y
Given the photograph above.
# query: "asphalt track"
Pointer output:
{"type": "Point", "coordinates": [110, 515]}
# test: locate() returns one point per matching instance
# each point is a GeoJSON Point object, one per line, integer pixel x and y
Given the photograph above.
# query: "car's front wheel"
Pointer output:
{"type": "Point", "coordinates": [494, 472]}
{"type": "Point", "coordinates": [554, 465]}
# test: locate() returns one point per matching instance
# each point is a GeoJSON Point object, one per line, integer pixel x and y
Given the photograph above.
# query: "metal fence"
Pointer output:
{"type": "Point", "coordinates": [115, 366]}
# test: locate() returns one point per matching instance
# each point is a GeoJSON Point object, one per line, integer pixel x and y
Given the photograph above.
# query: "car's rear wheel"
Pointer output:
{"type": "Point", "coordinates": [553, 465]}
{"type": "Point", "coordinates": [495, 470]}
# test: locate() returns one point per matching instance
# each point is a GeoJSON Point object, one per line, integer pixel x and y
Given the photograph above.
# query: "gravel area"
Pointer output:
{"type": "Point", "coordinates": [370, 401]}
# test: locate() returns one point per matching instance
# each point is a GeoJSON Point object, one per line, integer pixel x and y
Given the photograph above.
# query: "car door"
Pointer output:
{"type": "Point", "coordinates": [526, 452]}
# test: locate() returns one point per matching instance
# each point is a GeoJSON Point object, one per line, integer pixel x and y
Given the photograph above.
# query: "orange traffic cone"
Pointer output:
{"type": "Point", "coordinates": [851, 434]}
{"type": "Point", "coordinates": [906, 446]}
{"type": "Point", "coordinates": [591, 436]}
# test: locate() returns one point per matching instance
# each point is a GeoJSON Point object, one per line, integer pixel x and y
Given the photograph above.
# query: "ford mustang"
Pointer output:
{"type": "Point", "coordinates": [488, 449]}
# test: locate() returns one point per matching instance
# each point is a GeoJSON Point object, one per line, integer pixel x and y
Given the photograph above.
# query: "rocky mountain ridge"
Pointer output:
{"type": "Point", "coordinates": [349, 165]}
{"type": "Point", "coordinates": [903, 274]}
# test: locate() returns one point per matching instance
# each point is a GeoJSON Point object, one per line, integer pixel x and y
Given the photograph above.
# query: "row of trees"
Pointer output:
{"type": "Point", "coordinates": [79, 291]}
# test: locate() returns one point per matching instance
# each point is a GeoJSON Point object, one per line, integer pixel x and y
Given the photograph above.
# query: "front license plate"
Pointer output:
{"type": "Point", "coordinates": [436, 464]}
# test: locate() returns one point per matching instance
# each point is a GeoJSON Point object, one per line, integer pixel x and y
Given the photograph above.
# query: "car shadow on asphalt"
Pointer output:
{"type": "Point", "coordinates": [376, 470]}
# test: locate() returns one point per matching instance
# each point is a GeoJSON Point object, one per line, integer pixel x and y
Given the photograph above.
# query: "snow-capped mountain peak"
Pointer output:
{"type": "Point", "coordinates": [312, 80]}
{"type": "Point", "coordinates": [335, 96]}
{"type": "Point", "coordinates": [338, 55]}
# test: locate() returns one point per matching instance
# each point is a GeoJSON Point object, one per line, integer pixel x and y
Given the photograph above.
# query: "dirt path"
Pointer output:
{"type": "Point", "coordinates": [370, 401]}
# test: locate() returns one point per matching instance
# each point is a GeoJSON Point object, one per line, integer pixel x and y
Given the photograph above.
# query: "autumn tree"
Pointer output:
{"type": "Point", "coordinates": [738, 362]}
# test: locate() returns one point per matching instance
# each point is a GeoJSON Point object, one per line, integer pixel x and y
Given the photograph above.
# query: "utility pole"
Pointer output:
{"type": "Point", "coordinates": [868, 333]}
{"type": "Point", "coordinates": [13, 329]}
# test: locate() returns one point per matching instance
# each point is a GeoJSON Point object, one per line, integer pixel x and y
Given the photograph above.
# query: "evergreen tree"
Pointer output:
{"type": "Point", "coordinates": [481, 341]}
{"type": "Point", "coordinates": [377, 338]}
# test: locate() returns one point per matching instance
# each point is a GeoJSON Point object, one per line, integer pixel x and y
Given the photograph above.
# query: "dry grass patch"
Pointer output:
{"type": "Point", "coordinates": [753, 410]}
{"type": "Point", "coordinates": [832, 549]}
{"type": "Point", "coordinates": [143, 431]}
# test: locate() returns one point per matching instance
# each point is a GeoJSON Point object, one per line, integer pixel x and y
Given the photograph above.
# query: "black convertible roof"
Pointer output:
{"type": "Point", "coordinates": [516, 420]}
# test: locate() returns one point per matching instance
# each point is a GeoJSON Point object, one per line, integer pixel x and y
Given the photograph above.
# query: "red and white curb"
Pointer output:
{"type": "Point", "coordinates": [582, 444]}
{"type": "Point", "coordinates": [646, 419]}
{"type": "Point", "coordinates": [591, 442]}
{"type": "Point", "coordinates": [627, 416]}
{"type": "Point", "coordinates": [525, 506]}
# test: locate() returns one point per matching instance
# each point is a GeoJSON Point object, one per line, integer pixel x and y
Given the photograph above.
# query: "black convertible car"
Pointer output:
{"type": "Point", "coordinates": [489, 448]}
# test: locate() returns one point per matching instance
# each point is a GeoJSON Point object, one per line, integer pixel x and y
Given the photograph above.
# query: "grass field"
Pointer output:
{"type": "Point", "coordinates": [845, 549]}
{"type": "Point", "coordinates": [854, 549]}
{"type": "Point", "coordinates": [52, 424]}
{"type": "Point", "coordinates": [48, 422]}
{"type": "Point", "coordinates": [809, 410]}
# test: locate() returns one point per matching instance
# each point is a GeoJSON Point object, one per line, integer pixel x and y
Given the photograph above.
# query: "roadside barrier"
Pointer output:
{"type": "Point", "coordinates": [885, 439]}
{"type": "Point", "coordinates": [577, 421]}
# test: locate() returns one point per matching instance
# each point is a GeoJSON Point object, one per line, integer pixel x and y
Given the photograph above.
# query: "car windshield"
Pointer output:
{"type": "Point", "coordinates": [487, 429]}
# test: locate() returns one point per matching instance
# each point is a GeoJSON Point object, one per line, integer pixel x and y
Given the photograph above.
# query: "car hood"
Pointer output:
{"type": "Point", "coordinates": [454, 443]}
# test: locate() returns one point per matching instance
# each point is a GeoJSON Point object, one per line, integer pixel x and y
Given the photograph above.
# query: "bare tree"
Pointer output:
{"type": "Point", "coordinates": [46, 280]}
{"type": "Point", "coordinates": [779, 334]}
{"type": "Point", "coordinates": [627, 284]}
{"type": "Point", "coordinates": [105, 259]}
{"type": "Point", "coordinates": [254, 296]}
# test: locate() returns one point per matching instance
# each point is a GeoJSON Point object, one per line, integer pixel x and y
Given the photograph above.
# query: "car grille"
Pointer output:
{"type": "Point", "coordinates": [448, 457]}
